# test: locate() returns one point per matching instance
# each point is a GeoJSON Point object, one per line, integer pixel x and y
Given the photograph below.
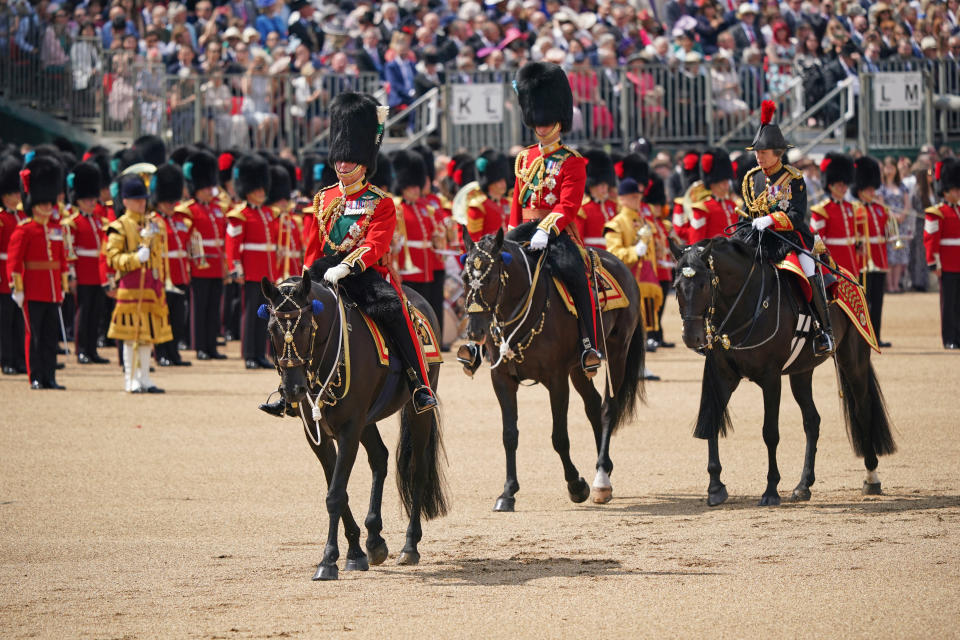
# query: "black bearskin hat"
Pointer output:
{"type": "Point", "coordinates": [461, 170]}
{"type": "Point", "coordinates": [355, 130]}
{"type": "Point", "coordinates": [10, 175]}
{"type": "Point", "coordinates": [180, 154]}
{"type": "Point", "coordinates": [293, 173]}
{"type": "Point", "coordinates": [656, 194]}
{"type": "Point", "coordinates": [280, 184]}
{"type": "Point", "coordinates": [491, 165]}
{"type": "Point", "coordinates": [428, 160]}
{"type": "Point", "coordinates": [599, 168]}
{"type": "Point", "coordinates": [715, 166]}
{"type": "Point", "coordinates": [690, 165]}
{"type": "Point", "coordinates": [151, 149]}
{"type": "Point", "coordinates": [837, 167]}
{"type": "Point", "coordinates": [634, 166]}
{"type": "Point", "coordinates": [382, 178]}
{"type": "Point", "coordinates": [200, 170]}
{"type": "Point", "coordinates": [544, 95]}
{"type": "Point", "coordinates": [168, 183]}
{"type": "Point", "coordinates": [408, 171]}
{"type": "Point", "coordinates": [948, 174]}
{"type": "Point", "coordinates": [316, 174]}
{"type": "Point", "coordinates": [225, 162]}
{"type": "Point", "coordinates": [867, 174]}
{"type": "Point", "coordinates": [768, 135]}
{"type": "Point", "coordinates": [84, 181]}
{"type": "Point", "coordinates": [250, 172]}
{"type": "Point", "coordinates": [42, 181]}
{"type": "Point", "coordinates": [123, 159]}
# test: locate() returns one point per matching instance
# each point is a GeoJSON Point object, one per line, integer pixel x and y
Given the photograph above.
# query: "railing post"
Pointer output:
{"type": "Point", "coordinates": [928, 113]}
{"type": "Point", "coordinates": [626, 134]}
{"type": "Point", "coordinates": [866, 86]}
{"type": "Point", "coordinates": [197, 109]}
{"type": "Point", "coordinates": [709, 103]}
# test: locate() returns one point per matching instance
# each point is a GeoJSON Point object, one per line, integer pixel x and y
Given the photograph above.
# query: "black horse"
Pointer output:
{"type": "Point", "coordinates": [743, 315]}
{"type": "Point", "coordinates": [515, 310]}
{"type": "Point", "coordinates": [330, 374]}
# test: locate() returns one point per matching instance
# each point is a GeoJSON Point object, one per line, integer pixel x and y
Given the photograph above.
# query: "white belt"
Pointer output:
{"type": "Point", "coordinates": [3, 256]}
{"type": "Point", "coordinates": [950, 242]}
{"type": "Point", "coordinates": [666, 263]}
{"type": "Point", "coordinates": [419, 244]}
{"type": "Point", "coordinates": [877, 240]}
{"type": "Point", "coordinates": [87, 253]}
{"type": "Point", "coordinates": [841, 241]}
{"type": "Point", "coordinates": [597, 241]}
{"type": "Point", "coordinates": [213, 243]}
{"type": "Point", "coordinates": [177, 254]}
{"type": "Point", "coordinates": [257, 246]}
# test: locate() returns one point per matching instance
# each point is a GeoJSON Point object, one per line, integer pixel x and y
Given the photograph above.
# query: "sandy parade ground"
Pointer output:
{"type": "Point", "coordinates": [193, 515]}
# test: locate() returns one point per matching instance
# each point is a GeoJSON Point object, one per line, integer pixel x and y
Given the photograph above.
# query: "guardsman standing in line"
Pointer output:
{"type": "Point", "coordinates": [168, 190]}
{"type": "Point", "coordinates": [37, 270]}
{"type": "Point", "coordinates": [549, 188]}
{"type": "Point", "coordinates": [941, 237]}
{"type": "Point", "coordinates": [693, 192]}
{"type": "Point", "coordinates": [716, 214]}
{"type": "Point", "coordinates": [87, 231]}
{"type": "Point", "coordinates": [12, 333]}
{"type": "Point", "coordinates": [252, 253]}
{"type": "Point", "coordinates": [289, 234]}
{"type": "Point", "coordinates": [655, 206]}
{"type": "Point", "coordinates": [873, 235]}
{"type": "Point", "coordinates": [208, 268]}
{"type": "Point", "coordinates": [228, 200]}
{"type": "Point", "coordinates": [598, 208]}
{"type": "Point", "coordinates": [487, 209]}
{"type": "Point", "coordinates": [835, 218]}
{"type": "Point", "coordinates": [135, 251]}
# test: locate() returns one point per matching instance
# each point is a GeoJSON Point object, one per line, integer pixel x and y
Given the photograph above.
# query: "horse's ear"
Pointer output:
{"type": "Point", "coordinates": [269, 290]}
{"type": "Point", "coordinates": [675, 248]}
{"type": "Point", "coordinates": [467, 240]}
{"type": "Point", "coordinates": [499, 240]}
{"type": "Point", "coordinates": [306, 284]}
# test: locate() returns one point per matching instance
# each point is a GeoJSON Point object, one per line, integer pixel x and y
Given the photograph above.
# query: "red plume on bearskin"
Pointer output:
{"type": "Point", "coordinates": [690, 162]}
{"type": "Point", "coordinates": [734, 165]}
{"type": "Point", "coordinates": [936, 172]}
{"type": "Point", "coordinates": [824, 164]}
{"type": "Point", "coordinates": [706, 161]}
{"type": "Point", "coordinates": [225, 161]}
{"type": "Point", "coordinates": [618, 169]}
{"type": "Point", "coordinates": [767, 109]}
{"type": "Point", "coordinates": [451, 167]}
{"type": "Point", "coordinates": [25, 178]}
{"type": "Point", "coordinates": [458, 177]}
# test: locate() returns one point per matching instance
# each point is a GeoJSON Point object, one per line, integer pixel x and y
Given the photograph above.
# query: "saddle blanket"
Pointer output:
{"type": "Point", "coordinates": [610, 296]}
{"type": "Point", "coordinates": [428, 340]}
{"type": "Point", "coordinates": [852, 299]}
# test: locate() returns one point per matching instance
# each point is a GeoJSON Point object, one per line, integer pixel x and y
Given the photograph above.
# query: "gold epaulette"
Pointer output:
{"type": "Point", "coordinates": [934, 211]}
{"type": "Point", "coordinates": [237, 212]}
{"type": "Point", "coordinates": [793, 171]}
{"type": "Point", "coordinates": [700, 205]}
{"type": "Point", "coordinates": [521, 160]}
{"type": "Point", "coordinates": [22, 222]}
{"type": "Point", "coordinates": [821, 208]}
{"type": "Point", "coordinates": [116, 225]}
{"type": "Point", "coordinates": [445, 202]}
{"type": "Point", "coordinates": [581, 212]}
{"type": "Point", "coordinates": [378, 191]}
{"type": "Point", "coordinates": [184, 207]}
{"type": "Point", "coordinates": [573, 152]}
{"type": "Point", "coordinates": [697, 192]}
{"type": "Point", "coordinates": [70, 220]}
{"type": "Point", "coordinates": [398, 203]}
{"type": "Point", "coordinates": [476, 198]}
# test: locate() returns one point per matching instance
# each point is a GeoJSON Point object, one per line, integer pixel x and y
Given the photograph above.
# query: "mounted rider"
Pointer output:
{"type": "Point", "coordinates": [355, 225]}
{"type": "Point", "coordinates": [550, 180]}
{"type": "Point", "coordinates": [775, 197]}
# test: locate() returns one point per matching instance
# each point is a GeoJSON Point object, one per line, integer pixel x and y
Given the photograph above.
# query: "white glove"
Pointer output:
{"type": "Point", "coordinates": [143, 254]}
{"type": "Point", "coordinates": [641, 248]}
{"type": "Point", "coordinates": [762, 223]}
{"type": "Point", "coordinates": [334, 274]}
{"type": "Point", "coordinates": [146, 232]}
{"type": "Point", "coordinates": [17, 297]}
{"type": "Point", "coordinates": [539, 240]}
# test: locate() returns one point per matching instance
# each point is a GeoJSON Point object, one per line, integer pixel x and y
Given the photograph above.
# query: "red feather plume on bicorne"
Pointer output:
{"type": "Point", "coordinates": [824, 164]}
{"type": "Point", "coordinates": [689, 161]}
{"type": "Point", "coordinates": [706, 161]}
{"type": "Point", "coordinates": [936, 172]}
{"type": "Point", "coordinates": [767, 109]}
{"type": "Point", "coordinates": [25, 179]}
{"type": "Point", "coordinates": [225, 161]}
{"type": "Point", "coordinates": [618, 169]}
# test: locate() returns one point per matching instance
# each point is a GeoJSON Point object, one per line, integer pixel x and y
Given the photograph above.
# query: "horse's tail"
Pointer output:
{"type": "Point", "coordinates": [714, 417]}
{"type": "Point", "coordinates": [865, 410]}
{"type": "Point", "coordinates": [632, 388]}
{"type": "Point", "coordinates": [433, 500]}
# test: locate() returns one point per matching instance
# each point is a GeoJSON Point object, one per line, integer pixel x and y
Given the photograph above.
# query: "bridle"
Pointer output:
{"type": "Point", "coordinates": [289, 322]}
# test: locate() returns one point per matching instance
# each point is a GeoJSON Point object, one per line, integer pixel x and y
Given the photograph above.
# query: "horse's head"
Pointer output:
{"type": "Point", "coordinates": [292, 327]}
{"type": "Point", "coordinates": [485, 276]}
{"type": "Point", "coordinates": [695, 286]}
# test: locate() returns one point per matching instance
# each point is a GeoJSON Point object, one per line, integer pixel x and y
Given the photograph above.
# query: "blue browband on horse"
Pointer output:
{"type": "Point", "coordinates": [507, 258]}
{"type": "Point", "coordinates": [263, 311]}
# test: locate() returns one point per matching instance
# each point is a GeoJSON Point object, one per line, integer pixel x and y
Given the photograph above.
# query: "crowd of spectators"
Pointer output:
{"type": "Point", "coordinates": [747, 51]}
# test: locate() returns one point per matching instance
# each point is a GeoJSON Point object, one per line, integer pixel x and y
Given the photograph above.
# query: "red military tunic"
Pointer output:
{"type": "Point", "coordinates": [177, 228]}
{"type": "Point", "coordinates": [87, 232]}
{"type": "Point", "coordinates": [876, 225]}
{"type": "Point", "coordinates": [549, 187]}
{"type": "Point", "coordinates": [665, 262]}
{"type": "Point", "coordinates": [712, 217]}
{"type": "Point", "coordinates": [683, 210]}
{"type": "Point", "coordinates": [941, 236]}
{"type": "Point", "coordinates": [251, 242]}
{"type": "Point", "coordinates": [211, 224]}
{"type": "Point", "coordinates": [290, 249]}
{"type": "Point", "coordinates": [485, 215]}
{"type": "Point", "coordinates": [836, 223]}
{"type": "Point", "coordinates": [36, 263]}
{"type": "Point", "coordinates": [422, 230]}
{"type": "Point", "coordinates": [360, 224]}
{"type": "Point", "coordinates": [592, 219]}
{"type": "Point", "coordinates": [8, 223]}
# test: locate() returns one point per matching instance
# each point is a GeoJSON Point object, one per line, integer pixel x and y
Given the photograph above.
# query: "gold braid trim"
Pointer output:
{"type": "Point", "coordinates": [535, 170]}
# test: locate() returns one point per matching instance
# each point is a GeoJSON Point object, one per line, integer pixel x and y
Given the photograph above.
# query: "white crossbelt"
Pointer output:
{"type": "Point", "coordinates": [257, 246]}
{"type": "Point", "coordinates": [177, 254]}
{"type": "Point", "coordinates": [419, 244]}
{"type": "Point", "coordinates": [599, 242]}
{"type": "Point", "coordinates": [213, 243]}
{"type": "Point", "coordinates": [950, 242]}
{"type": "Point", "coordinates": [3, 256]}
{"type": "Point", "coordinates": [87, 253]}
{"type": "Point", "coordinates": [839, 241]}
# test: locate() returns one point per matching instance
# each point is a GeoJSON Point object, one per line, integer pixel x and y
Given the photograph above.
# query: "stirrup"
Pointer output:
{"type": "Point", "coordinates": [590, 361]}
{"type": "Point", "coordinates": [423, 399]}
{"type": "Point", "coordinates": [468, 354]}
{"type": "Point", "coordinates": [824, 344]}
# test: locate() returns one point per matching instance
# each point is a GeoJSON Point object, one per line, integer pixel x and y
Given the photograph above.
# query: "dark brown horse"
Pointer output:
{"type": "Point", "coordinates": [330, 374]}
{"type": "Point", "coordinates": [744, 316]}
{"type": "Point", "coordinates": [520, 317]}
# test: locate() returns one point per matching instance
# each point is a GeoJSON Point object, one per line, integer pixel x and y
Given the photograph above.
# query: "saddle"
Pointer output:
{"type": "Point", "coordinates": [609, 293]}
{"type": "Point", "coordinates": [428, 339]}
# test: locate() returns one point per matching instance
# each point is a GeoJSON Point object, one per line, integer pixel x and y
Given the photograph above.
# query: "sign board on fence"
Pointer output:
{"type": "Point", "coordinates": [476, 103]}
{"type": "Point", "coordinates": [901, 91]}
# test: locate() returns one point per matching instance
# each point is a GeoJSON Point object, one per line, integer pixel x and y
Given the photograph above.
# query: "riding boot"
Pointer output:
{"type": "Point", "coordinates": [823, 342]}
{"type": "Point", "coordinates": [590, 358]}
{"type": "Point", "coordinates": [276, 409]}
{"type": "Point", "coordinates": [402, 341]}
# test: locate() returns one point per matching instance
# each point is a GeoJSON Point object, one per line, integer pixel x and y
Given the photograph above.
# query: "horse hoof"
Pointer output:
{"type": "Point", "coordinates": [505, 504]}
{"type": "Point", "coordinates": [601, 495]}
{"type": "Point", "coordinates": [801, 494]}
{"type": "Point", "coordinates": [378, 554]}
{"type": "Point", "coordinates": [772, 500]}
{"type": "Point", "coordinates": [579, 491]}
{"type": "Point", "coordinates": [357, 564]}
{"type": "Point", "coordinates": [717, 497]}
{"type": "Point", "coordinates": [326, 572]}
{"type": "Point", "coordinates": [409, 558]}
{"type": "Point", "coordinates": [872, 489]}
